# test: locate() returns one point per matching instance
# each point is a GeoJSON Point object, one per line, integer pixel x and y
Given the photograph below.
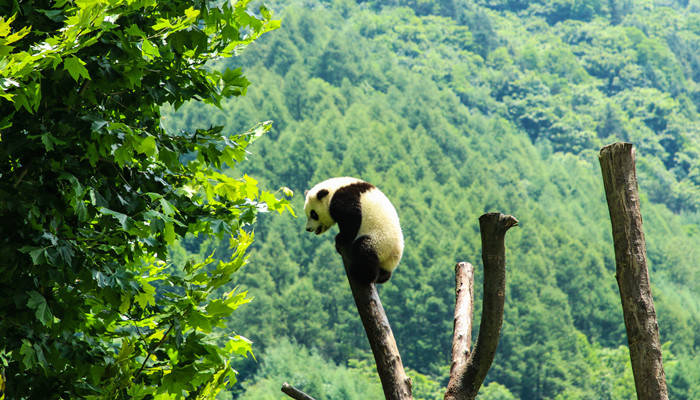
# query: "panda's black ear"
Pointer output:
{"type": "Point", "coordinates": [322, 193]}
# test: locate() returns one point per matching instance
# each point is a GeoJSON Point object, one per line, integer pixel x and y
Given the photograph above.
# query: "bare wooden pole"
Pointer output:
{"type": "Point", "coordinates": [617, 162]}
{"type": "Point", "coordinates": [465, 384]}
{"type": "Point", "coordinates": [463, 320]}
{"type": "Point", "coordinates": [396, 385]}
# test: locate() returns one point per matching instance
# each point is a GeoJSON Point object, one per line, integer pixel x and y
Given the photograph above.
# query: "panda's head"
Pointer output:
{"type": "Point", "coordinates": [316, 207]}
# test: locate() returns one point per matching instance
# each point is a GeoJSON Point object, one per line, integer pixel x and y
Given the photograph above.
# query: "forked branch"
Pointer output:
{"type": "Point", "coordinates": [466, 379]}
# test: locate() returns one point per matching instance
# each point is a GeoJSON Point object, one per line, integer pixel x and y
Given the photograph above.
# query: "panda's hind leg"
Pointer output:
{"type": "Point", "coordinates": [365, 263]}
{"type": "Point", "coordinates": [384, 275]}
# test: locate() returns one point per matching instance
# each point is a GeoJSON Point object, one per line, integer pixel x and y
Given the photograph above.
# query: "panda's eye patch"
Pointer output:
{"type": "Point", "coordinates": [314, 216]}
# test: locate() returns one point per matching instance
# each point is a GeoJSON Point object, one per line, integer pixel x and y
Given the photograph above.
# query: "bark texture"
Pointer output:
{"type": "Point", "coordinates": [463, 321]}
{"type": "Point", "coordinates": [617, 162]}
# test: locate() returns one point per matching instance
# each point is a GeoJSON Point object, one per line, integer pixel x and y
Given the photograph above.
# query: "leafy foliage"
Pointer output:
{"type": "Point", "coordinates": [93, 191]}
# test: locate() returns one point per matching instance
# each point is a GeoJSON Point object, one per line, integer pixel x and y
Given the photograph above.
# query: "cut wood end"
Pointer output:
{"type": "Point", "coordinates": [508, 220]}
{"type": "Point", "coordinates": [505, 221]}
{"type": "Point", "coordinates": [613, 147]}
{"type": "Point", "coordinates": [463, 265]}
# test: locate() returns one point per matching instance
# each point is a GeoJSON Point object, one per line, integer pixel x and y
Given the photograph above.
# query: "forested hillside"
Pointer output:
{"type": "Point", "coordinates": [455, 108]}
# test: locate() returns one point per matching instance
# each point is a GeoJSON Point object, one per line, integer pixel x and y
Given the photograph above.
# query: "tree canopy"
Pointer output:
{"type": "Point", "coordinates": [93, 190]}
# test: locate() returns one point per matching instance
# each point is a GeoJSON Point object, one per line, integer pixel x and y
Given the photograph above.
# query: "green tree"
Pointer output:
{"type": "Point", "coordinates": [93, 191]}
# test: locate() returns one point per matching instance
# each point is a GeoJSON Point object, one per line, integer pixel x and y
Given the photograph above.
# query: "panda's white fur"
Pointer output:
{"type": "Point", "coordinates": [363, 207]}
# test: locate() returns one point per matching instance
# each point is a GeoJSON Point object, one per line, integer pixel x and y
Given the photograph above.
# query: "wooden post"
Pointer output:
{"type": "Point", "coordinates": [463, 321]}
{"type": "Point", "coordinates": [620, 180]}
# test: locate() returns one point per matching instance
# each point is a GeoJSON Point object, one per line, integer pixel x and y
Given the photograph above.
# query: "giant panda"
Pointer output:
{"type": "Point", "coordinates": [368, 222]}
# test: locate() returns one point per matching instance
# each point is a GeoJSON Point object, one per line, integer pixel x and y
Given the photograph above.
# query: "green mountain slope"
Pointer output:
{"type": "Point", "coordinates": [455, 109]}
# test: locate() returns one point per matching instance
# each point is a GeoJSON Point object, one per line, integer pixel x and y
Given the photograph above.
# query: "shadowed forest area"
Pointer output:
{"type": "Point", "coordinates": [455, 108]}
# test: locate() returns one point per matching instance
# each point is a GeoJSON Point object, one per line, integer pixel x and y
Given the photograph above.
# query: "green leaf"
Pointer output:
{"type": "Point", "coordinates": [66, 253]}
{"type": "Point", "coordinates": [198, 320]}
{"type": "Point", "coordinates": [37, 302]}
{"type": "Point", "coordinates": [240, 345]}
{"type": "Point", "coordinates": [147, 296]}
{"type": "Point", "coordinates": [80, 210]}
{"type": "Point", "coordinates": [54, 15]}
{"type": "Point", "coordinates": [168, 209]}
{"type": "Point", "coordinates": [148, 50]}
{"type": "Point", "coordinates": [122, 218]}
{"type": "Point", "coordinates": [146, 146]}
{"type": "Point", "coordinates": [76, 68]}
{"type": "Point", "coordinates": [49, 141]}
{"type": "Point", "coordinates": [36, 253]}
{"type": "Point", "coordinates": [5, 27]}
{"type": "Point", "coordinates": [225, 306]}
{"type": "Point", "coordinates": [125, 304]}
{"type": "Point", "coordinates": [139, 391]}
{"type": "Point", "coordinates": [179, 379]}
{"type": "Point", "coordinates": [97, 200]}
{"type": "Point", "coordinates": [134, 30]}
{"type": "Point", "coordinates": [28, 354]}
{"type": "Point", "coordinates": [169, 233]}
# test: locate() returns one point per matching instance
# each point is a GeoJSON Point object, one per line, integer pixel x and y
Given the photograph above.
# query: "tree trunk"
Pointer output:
{"type": "Point", "coordinates": [620, 180]}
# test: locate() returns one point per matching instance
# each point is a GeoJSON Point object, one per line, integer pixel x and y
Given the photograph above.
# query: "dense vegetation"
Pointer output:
{"type": "Point", "coordinates": [93, 191]}
{"type": "Point", "coordinates": [456, 108]}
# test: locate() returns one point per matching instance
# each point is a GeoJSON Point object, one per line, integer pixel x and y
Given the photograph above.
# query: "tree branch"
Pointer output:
{"type": "Point", "coordinates": [295, 393]}
{"type": "Point", "coordinates": [396, 385]}
{"type": "Point", "coordinates": [20, 177]}
{"type": "Point", "coordinates": [493, 231]}
{"type": "Point", "coordinates": [617, 163]}
{"type": "Point", "coordinates": [463, 320]}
